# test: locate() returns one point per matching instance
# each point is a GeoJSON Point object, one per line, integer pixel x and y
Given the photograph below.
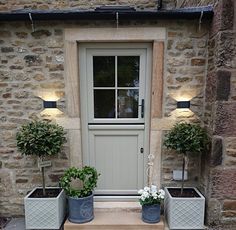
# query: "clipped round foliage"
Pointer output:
{"type": "Point", "coordinates": [186, 138]}
{"type": "Point", "coordinates": [40, 138]}
{"type": "Point", "coordinates": [88, 175]}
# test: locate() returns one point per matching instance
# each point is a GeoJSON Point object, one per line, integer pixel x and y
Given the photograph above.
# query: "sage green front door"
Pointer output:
{"type": "Point", "coordinates": [115, 104]}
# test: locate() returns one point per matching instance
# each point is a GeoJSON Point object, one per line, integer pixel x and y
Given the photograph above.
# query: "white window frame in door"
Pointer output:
{"type": "Point", "coordinates": [85, 102]}
{"type": "Point", "coordinates": [142, 75]}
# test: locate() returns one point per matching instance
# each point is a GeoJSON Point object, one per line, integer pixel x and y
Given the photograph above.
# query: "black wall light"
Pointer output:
{"type": "Point", "coordinates": [183, 104]}
{"type": "Point", "coordinates": [49, 104]}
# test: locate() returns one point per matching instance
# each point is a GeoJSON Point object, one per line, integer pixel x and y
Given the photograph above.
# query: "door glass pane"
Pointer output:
{"type": "Point", "coordinates": [103, 71]}
{"type": "Point", "coordinates": [128, 71]}
{"type": "Point", "coordinates": [104, 103]}
{"type": "Point", "coordinates": [128, 103]}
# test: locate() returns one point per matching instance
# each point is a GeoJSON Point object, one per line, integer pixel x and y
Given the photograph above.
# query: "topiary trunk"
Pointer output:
{"type": "Point", "coordinates": [183, 168]}
{"type": "Point", "coordinates": [43, 179]}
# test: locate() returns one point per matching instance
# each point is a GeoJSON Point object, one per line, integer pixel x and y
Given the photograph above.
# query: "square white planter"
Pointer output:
{"type": "Point", "coordinates": [184, 213]}
{"type": "Point", "coordinates": [45, 213]}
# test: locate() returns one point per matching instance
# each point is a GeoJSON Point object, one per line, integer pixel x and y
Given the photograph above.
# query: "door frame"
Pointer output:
{"type": "Point", "coordinates": [73, 36]}
{"type": "Point", "coordinates": [84, 100]}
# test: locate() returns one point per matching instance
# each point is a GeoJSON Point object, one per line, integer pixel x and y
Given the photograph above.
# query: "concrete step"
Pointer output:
{"type": "Point", "coordinates": [114, 220]}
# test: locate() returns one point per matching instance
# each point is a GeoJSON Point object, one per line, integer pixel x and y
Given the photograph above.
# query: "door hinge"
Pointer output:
{"type": "Point", "coordinates": [141, 150]}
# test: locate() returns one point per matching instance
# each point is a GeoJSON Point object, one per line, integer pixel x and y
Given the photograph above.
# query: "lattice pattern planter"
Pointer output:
{"type": "Point", "coordinates": [45, 213]}
{"type": "Point", "coordinates": [184, 213]}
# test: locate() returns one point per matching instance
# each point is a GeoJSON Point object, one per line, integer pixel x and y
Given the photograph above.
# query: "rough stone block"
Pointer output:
{"type": "Point", "coordinates": [223, 85]}
{"type": "Point", "coordinates": [210, 90]}
{"type": "Point", "coordinates": [226, 51]}
{"type": "Point", "coordinates": [184, 44]}
{"type": "Point", "coordinates": [229, 205]}
{"type": "Point", "coordinates": [229, 214]}
{"type": "Point", "coordinates": [223, 16]}
{"type": "Point", "coordinates": [230, 143]}
{"type": "Point", "coordinates": [225, 119]}
{"type": "Point", "coordinates": [7, 49]}
{"type": "Point", "coordinates": [198, 62]}
{"type": "Point", "coordinates": [33, 60]}
{"type": "Point", "coordinates": [41, 34]}
{"type": "Point", "coordinates": [216, 151]}
{"type": "Point", "coordinates": [213, 211]}
{"type": "Point", "coordinates": [223, 183]}
{"type": "Point", "coordinates": [21, 34]}
{"type": "Point", "coordinates": [5, 33]}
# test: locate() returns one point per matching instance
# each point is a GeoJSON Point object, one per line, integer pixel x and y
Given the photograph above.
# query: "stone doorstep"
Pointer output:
{"type": "Point", "coordinates": [116, 215]}
{"type": "Point", "coordinates": [109, 220]}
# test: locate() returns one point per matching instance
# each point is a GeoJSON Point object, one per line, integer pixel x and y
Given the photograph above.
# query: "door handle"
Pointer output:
{"type": "Point", "coordinates": [142, 108]}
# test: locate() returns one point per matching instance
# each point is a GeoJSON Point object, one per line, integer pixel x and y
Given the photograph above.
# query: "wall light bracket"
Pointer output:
{"type": "Point", "coordinates": [49, 104]}
{"type": "Point", "coordinates": [183, 104]}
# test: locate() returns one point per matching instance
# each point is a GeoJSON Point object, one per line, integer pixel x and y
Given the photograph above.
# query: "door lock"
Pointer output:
{"type": "Point", "coordinates": [141, 150]}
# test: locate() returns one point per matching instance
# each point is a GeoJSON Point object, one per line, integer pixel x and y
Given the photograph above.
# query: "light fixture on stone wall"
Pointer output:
{"type": "Point", "coordinates": [183, 104]}
{"type": "Point", "coordinates": [49, 104]}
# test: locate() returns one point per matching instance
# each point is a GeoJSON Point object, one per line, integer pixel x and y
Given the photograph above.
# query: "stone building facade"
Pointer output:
{"type": "Point", "coordinates": [199, 64]}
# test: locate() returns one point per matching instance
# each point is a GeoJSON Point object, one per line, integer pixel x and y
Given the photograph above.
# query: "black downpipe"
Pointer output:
{"type": "Point", "coordinates": [159, 4]}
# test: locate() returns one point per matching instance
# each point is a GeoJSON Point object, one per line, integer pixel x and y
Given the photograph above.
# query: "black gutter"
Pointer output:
{"type": "Point", "coordinates": [42, 15]}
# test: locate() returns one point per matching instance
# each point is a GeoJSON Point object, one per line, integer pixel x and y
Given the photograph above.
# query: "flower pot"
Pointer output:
{"type": "Point", "coordinates": [46, 212]}
{"type": "Point", "coordinates": [81, 209]}
{"type": "Point", "coordinates": [184, 212]}
{"type": "Point", "coordinates": [151, 213]}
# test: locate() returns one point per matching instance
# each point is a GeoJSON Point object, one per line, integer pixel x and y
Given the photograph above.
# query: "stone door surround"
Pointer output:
{"type": "Point", "coordinates": [74, 36]}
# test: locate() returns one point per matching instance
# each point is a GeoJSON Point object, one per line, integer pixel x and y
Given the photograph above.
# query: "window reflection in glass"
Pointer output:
{"type": "Point", "coordinates": [128, 71]}
{"type": "Point", "coordinates": [128, 103]}
{"type": "Point", "coordinates": [103, 71]}
{"type": "Point", "coordinates": [104, 103]}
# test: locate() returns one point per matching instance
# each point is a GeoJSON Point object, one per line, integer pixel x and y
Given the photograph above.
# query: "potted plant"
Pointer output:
{"type": "Point", "coordinates": [44, 207]}
{"type": "Point", "coordinates": [184, 207]}
{"type": "Point", "coordinates": [80, 200]}
{"type": "Point", "coordinates": [150, 200]}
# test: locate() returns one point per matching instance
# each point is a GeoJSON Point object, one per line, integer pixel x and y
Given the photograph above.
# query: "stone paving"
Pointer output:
{"type": "Point", "coordinates": [18, 224]}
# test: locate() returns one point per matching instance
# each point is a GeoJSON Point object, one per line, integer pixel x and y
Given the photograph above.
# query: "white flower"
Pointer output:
{"type": "Point", "coordinates": [162, 192]}
{"type": "Point", "coordinates": [145, 194]}
{"type": "Point", "coordinates": [146, 189]}
{"type": "Point", "coordinates": [154, 195]}
{"type": "Point", "coordinates": [140, 191]}
{"type": "Point", "coordinates": [142, 198]}
{"type": "Point", "coordinates": [153, 188]}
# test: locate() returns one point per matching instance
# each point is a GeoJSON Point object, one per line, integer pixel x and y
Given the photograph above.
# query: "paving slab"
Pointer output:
{"type": "Point", "coordinates": [19, 224]}
{"type": "Point", "coordinates": [16, 224]}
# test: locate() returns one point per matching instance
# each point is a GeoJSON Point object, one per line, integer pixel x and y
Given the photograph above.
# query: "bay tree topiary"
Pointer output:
{"type": "Point", "coordinates": [40, 138]}
{"type": "Point", "coordinates": [186, 138]}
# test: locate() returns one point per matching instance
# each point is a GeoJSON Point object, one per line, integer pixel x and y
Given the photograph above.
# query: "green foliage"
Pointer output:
{"type": "Point", "coordinates": [88, 175]}
{"type": "Point", "coordinates": [187, 138]}
{"type": "Point", "coordinates": [40, 138]}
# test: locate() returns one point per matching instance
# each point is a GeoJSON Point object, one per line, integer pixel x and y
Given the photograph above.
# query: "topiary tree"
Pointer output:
{"type": "Point", "coordinates": [186, 138]}
{"type": "Point", "coordinates": [40, 138]}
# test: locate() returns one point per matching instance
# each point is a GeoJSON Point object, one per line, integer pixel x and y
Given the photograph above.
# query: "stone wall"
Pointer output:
{"type": "Point", "coordinates": [32, 65]}
{"type": "Point", "coordinates": [186, 53]}
{"type": "Point", "coordinates": [220, 118]}
{"type": "Point", "coordinates": [7, 5]}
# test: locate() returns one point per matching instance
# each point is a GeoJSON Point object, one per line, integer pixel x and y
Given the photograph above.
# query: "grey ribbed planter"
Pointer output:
{"type": "Point", "coordinates": [81, 209]}
{"type": "Point", "coordinates": [45, 213]}
{"type": "Point", "coordinates": [184, 213]}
